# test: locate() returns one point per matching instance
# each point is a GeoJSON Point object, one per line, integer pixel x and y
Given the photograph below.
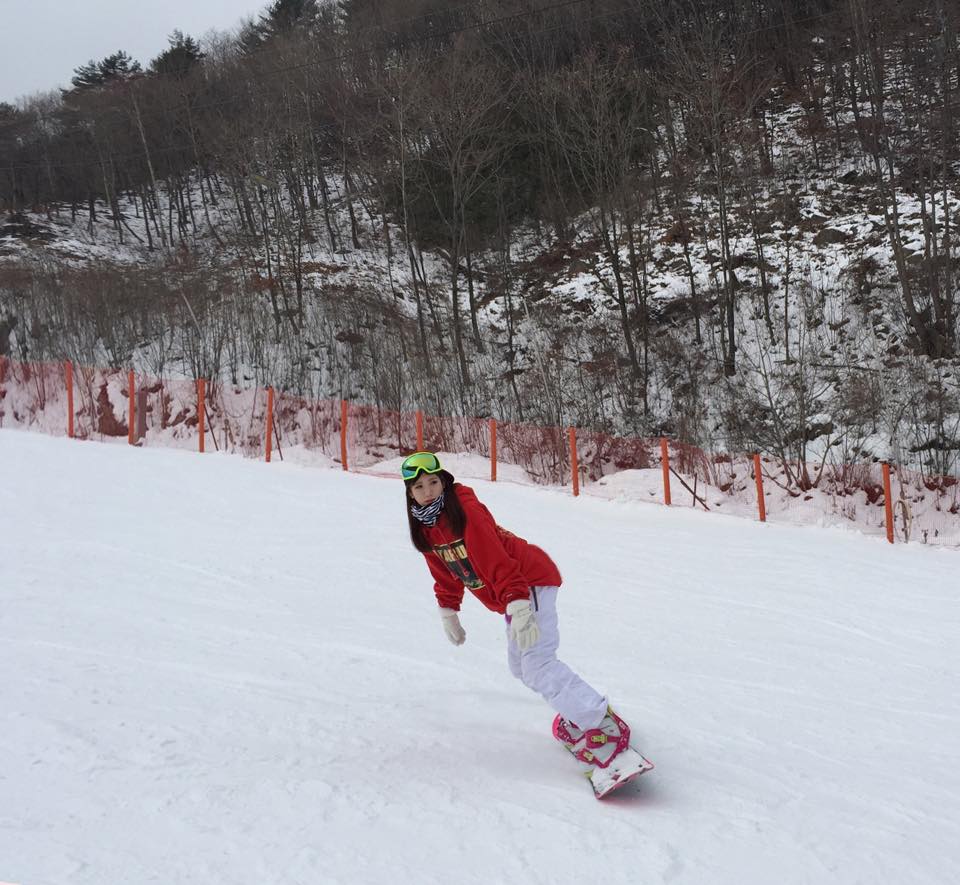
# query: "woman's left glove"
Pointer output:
{"type": "Point", "coordinates": [523, 625]}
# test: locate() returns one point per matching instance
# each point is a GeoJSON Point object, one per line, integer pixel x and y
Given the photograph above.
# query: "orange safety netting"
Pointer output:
{"type": "Point", "coordinates": [165, 412]}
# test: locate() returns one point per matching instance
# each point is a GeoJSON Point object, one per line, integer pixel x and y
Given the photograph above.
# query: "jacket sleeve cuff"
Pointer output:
{"type": "Point", "coordinates": [516, 597]}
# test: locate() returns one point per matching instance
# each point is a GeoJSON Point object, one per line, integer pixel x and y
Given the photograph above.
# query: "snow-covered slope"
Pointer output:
{"type": "Point", "coordinates": [217, 671]}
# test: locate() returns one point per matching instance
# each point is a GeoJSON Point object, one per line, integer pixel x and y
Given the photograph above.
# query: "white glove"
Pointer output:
{"type": "Point", "coordinates": [523, 625]}
{"type": "Point", "coordinates": [451, 626]}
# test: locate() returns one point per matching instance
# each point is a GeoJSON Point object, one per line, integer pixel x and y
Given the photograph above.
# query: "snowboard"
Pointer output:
{"type": "Point", "coordinates": [626, 765]}
{"type": "Point", "coordinates": [589, 749]}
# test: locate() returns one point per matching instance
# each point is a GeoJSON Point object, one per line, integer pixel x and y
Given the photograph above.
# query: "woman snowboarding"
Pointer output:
{"type": "Point", "coordinates": [466, 549]}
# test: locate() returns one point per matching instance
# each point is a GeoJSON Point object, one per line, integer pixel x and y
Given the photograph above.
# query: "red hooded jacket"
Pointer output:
{"type": "Point", "coordinates": [495, 565]}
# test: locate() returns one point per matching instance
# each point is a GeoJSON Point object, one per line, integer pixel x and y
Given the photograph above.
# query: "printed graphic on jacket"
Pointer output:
{"type": "Point", "coordinates": [454, 556]}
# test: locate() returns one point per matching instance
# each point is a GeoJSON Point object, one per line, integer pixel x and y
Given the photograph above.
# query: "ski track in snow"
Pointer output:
{"type": "Point", "coordinates": [217, 670]}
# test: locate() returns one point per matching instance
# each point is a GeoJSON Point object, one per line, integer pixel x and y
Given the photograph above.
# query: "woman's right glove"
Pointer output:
{"type": "Point", "coordinates": [451, 626]}
{"type": "Point", "coordinates": [523, 624]}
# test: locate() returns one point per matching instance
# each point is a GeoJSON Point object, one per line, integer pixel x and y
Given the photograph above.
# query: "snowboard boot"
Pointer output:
{"type": "Point", "coordinates": [595, 746]}
{"type": "Point", "coordinates": [566, 731]}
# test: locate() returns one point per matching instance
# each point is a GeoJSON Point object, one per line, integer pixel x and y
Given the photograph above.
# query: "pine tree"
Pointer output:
{"type": "Point", "coordinates": [281, 17]}
{"type": "Point", "coordinates": [96, 74]}
{"type": "Point", "coordinates": [119, 66]}
{"type": "Point", "coordinates": [86, 77]}
{"type": "Point", "coordinates": [179, 59]}
{"type": "Point", "coordinates": [286, 15]}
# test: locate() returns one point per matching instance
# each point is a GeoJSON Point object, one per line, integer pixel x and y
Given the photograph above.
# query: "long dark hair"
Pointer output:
{"type": "Point", "coordinates": [451, 507]}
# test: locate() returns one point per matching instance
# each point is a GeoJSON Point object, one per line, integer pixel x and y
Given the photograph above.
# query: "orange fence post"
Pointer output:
{"type": "Point", "coordinates": [269, 422]}
{"type": "Point", "coordinates": [761, 503]}
{"type": "Point", "coordinates": [68, 368]}
{"type": "Point", "coordinates": [888, 500]}
{"type": "Point", "coordinates": [131, 428]}
{"type": "Point", "coordinates": [665, 462]}
{"type": "Point", "coordinates": [574, 464]}
{"type": "Point", "coordinates": [419, 431]}
{"type": "Point", "coordinates": [201, 411]}
{"type": "Point", "coordinates": [493, 450]}
{"type": "Point", "coordinates": [343, 434]}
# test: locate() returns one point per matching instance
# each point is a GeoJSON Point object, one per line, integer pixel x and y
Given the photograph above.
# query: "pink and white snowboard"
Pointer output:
{"type": "Point", "coordinates": [605, 752]}
{"type": "Point", "coordinates": [625, 766]}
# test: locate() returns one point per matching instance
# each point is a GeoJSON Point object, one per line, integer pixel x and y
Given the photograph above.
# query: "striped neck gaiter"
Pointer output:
{"type": "Point", "coordinates": [429, 514]}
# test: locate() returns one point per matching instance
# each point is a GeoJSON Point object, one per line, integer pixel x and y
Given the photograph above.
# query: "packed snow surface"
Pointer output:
{"type": "Point", "coordinates": [215, 670]}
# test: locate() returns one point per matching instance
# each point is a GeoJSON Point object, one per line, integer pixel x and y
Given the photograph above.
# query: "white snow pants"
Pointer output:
{"type": "Point", "coordinates": [539, 669]}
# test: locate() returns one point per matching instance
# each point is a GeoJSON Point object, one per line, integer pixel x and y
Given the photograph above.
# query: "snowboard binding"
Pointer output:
{"type": "Point", "coordinates": [595, 746]}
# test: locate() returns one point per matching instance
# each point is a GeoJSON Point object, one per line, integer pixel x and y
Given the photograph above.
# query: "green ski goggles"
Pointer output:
{"type": "Point", "coordinates": [419, 462]}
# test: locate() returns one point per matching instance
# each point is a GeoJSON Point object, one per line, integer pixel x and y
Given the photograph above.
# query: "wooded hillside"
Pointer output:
{"type": "Point", "coordinates": [731, 221]}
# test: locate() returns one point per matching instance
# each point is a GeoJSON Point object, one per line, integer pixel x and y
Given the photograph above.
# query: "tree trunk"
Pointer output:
{"type": "Point", "coordinates": [146, 151]}
{"type": "Point", "coordinates": [455, 303]}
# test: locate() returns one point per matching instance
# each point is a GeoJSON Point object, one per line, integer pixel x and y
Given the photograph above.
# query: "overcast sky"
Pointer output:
{"type": "Point", "coordinates": [42, 41]}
